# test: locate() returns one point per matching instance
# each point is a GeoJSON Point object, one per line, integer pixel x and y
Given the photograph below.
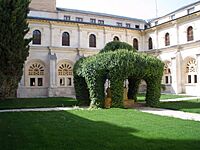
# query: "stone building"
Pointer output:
{"type": "Point", "coordinates": [61, 36]}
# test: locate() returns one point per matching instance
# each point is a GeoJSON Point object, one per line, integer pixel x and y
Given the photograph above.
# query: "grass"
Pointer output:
{"type": "Point", "coordinates": [113, 129]}
{"type": "Point", "coordinates": [37, 102]}
{"type": "Point", "coordinates": [141, 96]}
{"type": "Point", "coordinates": [187, 106]}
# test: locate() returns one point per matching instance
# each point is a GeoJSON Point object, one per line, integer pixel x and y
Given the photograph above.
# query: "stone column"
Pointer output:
{"type": "Point", "coordinates": [52, 74]}
{"type": "Point", "coordinates": [198, 73]}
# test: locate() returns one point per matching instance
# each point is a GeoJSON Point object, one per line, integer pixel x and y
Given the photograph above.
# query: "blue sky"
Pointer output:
{"type": "Point", "coordinates": [142, 9]}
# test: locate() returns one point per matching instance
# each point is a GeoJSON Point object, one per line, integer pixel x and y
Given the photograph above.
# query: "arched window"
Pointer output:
{"type": "Point", "coordinates": [92, 40]}
{"type": "Point", "coordinates": [65, 39]}
{"type": "Point", "coordinates": [191, 71]}
{"type": "Point", "coordinates": [167, 39]}
{"type": "Point", "coordinates": [36, 37]}
{"type": "Point", "coordinates": [36, 74]}
{"type": "Point", "coordinates": [150, 43]}
{"type": "Point", "coordinates": [65, 74]}
{"type": "Point", "coordinates": [167, 73]}
{"type": "Point", "coordinates": [135, 43]}
{"type": "Point", "coordinates": [116, 38]}
{"type": "Point", "coordinates": [190, 36]}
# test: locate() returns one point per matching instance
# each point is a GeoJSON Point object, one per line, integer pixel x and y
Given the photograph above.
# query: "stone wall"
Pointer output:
{"type": "Point", "coordinates": [43, 5]}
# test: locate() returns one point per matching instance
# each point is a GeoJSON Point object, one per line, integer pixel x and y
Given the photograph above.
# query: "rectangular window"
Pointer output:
{"type": "Point", "coordinates": [171, 79]}
{"type": "Point", "coordinates": [166, 79]}
{"type": "Point", "coordinates": [32, 81]}
{"type": "Point", "coordinates": [172, 17]}
{"type": "Point", "coordinates": [40, 82]}
{"type": "Point", "coordinates": [145, 26]}
{"type": "Point", "coordinates": [137, 26]}
{"type": "Point", "coordinates": [69, 81]}
{"type": "Point", "coordinates": [189, 79]}
{"type": "Point", "coordinates": [119, 24]}
{"type": "Point", "coordinates": [100, 22]}
{"type": "Point", "coordinates": [156, 23]}
{"type": "Point", "coordinates": [128, 25]}
{"type": "Point", "coordinates": [190, 10]}
{"type": "Point", "coordinates": [195, 78]}
{"type": "Point", "coordinates": [92, 20]}
{"type": "Point", "coordinates": [79, 19]}
{"type": "Point", "coordinates": [67, 18]}
{"type": "Point", "coordinates": [62, 81]}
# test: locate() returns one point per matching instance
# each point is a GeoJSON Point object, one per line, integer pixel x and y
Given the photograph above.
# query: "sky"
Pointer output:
{"type": "Point", "coordinates": [142, 9]}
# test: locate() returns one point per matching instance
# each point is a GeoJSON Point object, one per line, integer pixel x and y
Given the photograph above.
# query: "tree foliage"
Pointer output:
{"type": "Point", "coordinates": [14, 47]}
{"type": "Point", "coordinates": [117, 66]}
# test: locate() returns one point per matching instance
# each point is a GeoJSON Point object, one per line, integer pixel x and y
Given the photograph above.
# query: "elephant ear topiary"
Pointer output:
{"type": "Point", "coordinates": [116, 45]}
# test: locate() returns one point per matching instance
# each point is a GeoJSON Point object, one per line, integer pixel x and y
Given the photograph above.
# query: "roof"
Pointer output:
{"type": "Point", "coordinates": [99, 14]}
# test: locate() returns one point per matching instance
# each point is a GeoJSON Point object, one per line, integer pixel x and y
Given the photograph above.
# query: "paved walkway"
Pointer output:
{"type": "Point", "coordinates": [170, 113]}
{"type": "Point", "coordinates": [179, 99]}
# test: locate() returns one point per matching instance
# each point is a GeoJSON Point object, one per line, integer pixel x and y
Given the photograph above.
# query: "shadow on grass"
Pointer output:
{"type": "Point", "coordinates": [66, 131]}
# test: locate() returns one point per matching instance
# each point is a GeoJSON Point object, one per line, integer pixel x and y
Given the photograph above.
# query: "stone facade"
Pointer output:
{"type": "Point", "coordinates": [47, 71]}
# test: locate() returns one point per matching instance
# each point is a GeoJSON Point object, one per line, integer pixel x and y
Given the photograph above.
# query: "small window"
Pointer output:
{"type": "Point", "coordinates": [92, 40]}
{"type": "Point", "coordinates": [156, 23]}
{"type": "Point", "coordinates": [172, 17]}
{"type": "Point", "coordinates": [65, 39]}
{"type": "Point", "coordinates": [69, 81]}
{"type": "Point", "coordinates": [92, 20]}
{"type": "Point", "coordinates": [167, 39]}
{"type": "Point", "coordinates": [67, 18]}
{"type": "Point", "coordinates": [190, 10]}
{"type": "Point", "coordinates": [189, 79]}
{"type": "Point", "coordinates": [62, 81]}
{"type": "Point", "coordinates": [79, 19]}
{"type": "Point", "coordinates": [128, 25]}
{"type": "Point", "coordinates": [100, 21]}
{"type": "Point", "coordinates": [36, 37]}
{"type": "Point", "coordinates": [150, 43]}
{"type": "Point", "coordinates": [32, 81]}
{"type": "Point", "coordinates": [171, 79]}
{"type": "Point", "coordinates": [40, 81]}
{"type": "Point", "coordinates": [145, 26]}
{"type": "Point", "coordinates": [135, 43]}
{"type": "Point", "coordinates": [119, 24]}
{"type": "Point", "coordinates": [116, 38]}
{"type": "Point", "coordinates": [190, 36]}
{"type": "Point", "coordinates": [137, 26]}
{"type": "Point", "coordinates": [195, 78]}
{"type": "Point", "coordinates": [166, 79]}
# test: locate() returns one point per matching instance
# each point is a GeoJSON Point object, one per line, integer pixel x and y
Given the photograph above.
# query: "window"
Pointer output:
{"type": "Point", "coordinates": [36, 37]}
{"type": "Point", "coordinates": [79, 19]}
{"type": "Point", "coordinates": [36, 74]}
{"type": "Point", "coordinates": [100, 22]}
{"type": "Point", "coordinates": [172, 17]}
{"type": "Point", "coordinates": [190, 36]}
{"type": "Point", "coordinates": [190, 10]}
{"type": "Point", "coordinates": [65, 74]}
{"type": "Point", "coordinates": [167, 73]}
{"type": "Point", "coordinates": [156, 23]}
{"type": "Point", "coordinates": [116, 38]}
{"type": "Point", "coordinates": [128, 25]}
{"type": "Point", "coordinates": [135, 43]}
{"type": "Point", "coordinates": [119, 24]}
{"type": "Point", "coordinates": [137, 26]}
{"type": "Point", "coordinates": [92, 40]}
{"type": "Point", "coordinates": [145, 26]}
{"type": "Point", "coordinates": [93, 20]}
{"type": "Point", "coordinates": [67, 18]}
{"type": "Point", "coordinates": [167, 39]}
{"type": "Point", "coordinates": [150, 43]}
{"type": "Point", "coordinates": [191, 71]}
{"type": "Point", "coordinates": [65, 39]}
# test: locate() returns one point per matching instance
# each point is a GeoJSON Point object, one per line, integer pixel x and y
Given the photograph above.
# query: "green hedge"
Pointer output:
{"type": "Point", "coordinates": [118, 66]}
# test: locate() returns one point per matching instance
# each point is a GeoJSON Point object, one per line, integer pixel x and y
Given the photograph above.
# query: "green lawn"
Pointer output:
{"type": "Point", "coordinates": [188, 106]}
{"type": "Point", "coordinates": [141, 96]}
{"type": "Point", "coordinates": [113, 129]}
{"type": "Point", "coordinates": [37, 102]}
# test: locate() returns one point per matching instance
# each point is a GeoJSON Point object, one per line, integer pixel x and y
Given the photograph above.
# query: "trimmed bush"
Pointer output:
{"type": "Point", "coordinates": [118, 66]}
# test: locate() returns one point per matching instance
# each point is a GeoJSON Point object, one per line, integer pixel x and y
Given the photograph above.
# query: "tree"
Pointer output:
{"type": "Point", "coordinates": [14, 47]}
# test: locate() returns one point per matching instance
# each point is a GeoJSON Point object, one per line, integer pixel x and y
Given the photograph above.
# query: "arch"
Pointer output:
{"type": "Point", "coordinates": [92, 40]}
{"type": "Point", "coordinates": [36, 37]}
{"type": "Point", "coordinates": [167, 39]}
{"type": "Point", "coordinates": [150, 43]}
{"type": "Point", "coordinates": [116, 38]}
{"type": "Point", "coordinates": [167, 73]}
{"type": "Point", "coordinates": [65, 39]}
{"type": "Point", "coordinates": [135, 43]}
{"type": "Point", "coordinates": [191, 71]}
{"type": "Point", "coordinates": [35, 73]}
{"type": "Point", "coordinates": [190, 36]}
{"type": "Point", "coordinates": [65, 74]}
